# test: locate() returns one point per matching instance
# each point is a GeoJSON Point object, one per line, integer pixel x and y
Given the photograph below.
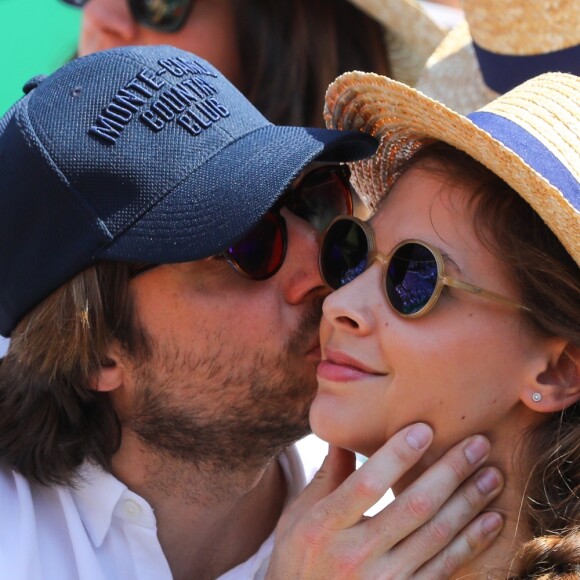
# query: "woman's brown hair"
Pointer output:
{"type": "Point", "coordinates": [549, 282]}
{"type": "Point", "coordinates": [51, 420]}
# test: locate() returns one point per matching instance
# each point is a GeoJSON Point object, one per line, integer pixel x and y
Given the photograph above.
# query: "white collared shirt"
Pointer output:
{"type": "Point", "coordinates": [104, 531]}
{"type": "Point", "coordinates": [4, 342]}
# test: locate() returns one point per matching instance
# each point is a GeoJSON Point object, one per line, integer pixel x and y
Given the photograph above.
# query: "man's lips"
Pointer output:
{"type": "Point", "coordinates": [314, 353]}
{"type": "Point", "coordinates": [340, 367]}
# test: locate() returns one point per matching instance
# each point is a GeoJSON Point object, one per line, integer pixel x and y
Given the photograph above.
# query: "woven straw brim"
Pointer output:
{"type": "Point", "coordinates": [452, 74]}
{"type": "Point", "coordinates": [548, 108]}
{"type": "Point", "coordinates": [412, 35]}
{"type": "Point", "coordinates": [524, 27]}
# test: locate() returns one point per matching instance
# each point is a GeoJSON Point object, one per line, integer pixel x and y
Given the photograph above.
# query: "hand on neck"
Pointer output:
{"type": "Point", "coordinates": [507, 442]}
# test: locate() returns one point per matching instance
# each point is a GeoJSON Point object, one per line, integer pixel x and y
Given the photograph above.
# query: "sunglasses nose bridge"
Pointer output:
{"type": "Point", "coordinates": [380, 258]}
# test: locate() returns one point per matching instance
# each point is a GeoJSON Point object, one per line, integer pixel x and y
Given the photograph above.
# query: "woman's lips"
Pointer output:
{"type": "Point", "coordinates": [339, 367]}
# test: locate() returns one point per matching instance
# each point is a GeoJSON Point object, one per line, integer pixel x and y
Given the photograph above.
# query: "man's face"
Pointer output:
{"type": "Point", "coordinates": [232, 373]}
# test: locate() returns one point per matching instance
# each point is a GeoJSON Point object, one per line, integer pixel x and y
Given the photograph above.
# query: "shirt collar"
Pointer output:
{"type": "Point", "coordinates": [96, 495]}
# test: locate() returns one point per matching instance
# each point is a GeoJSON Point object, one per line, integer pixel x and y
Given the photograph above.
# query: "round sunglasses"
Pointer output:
{"type": "Point", "coordinates": [414, 271]}
{"type": "Point", "coordinates": [160, 15]}
{"type": "Point", "coordinates": [320, 196]}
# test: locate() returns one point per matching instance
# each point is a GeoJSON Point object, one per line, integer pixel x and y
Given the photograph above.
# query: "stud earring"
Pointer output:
{"type": "Point", "coordinates": [537, 397]}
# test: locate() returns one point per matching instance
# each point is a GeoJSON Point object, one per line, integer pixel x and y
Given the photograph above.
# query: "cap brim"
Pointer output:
{"type": "Point", "coordinates": [220, 201]}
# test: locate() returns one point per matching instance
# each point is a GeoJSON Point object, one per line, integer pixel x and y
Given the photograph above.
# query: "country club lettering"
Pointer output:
{"type": "Point", "coordinates": [191, 102]}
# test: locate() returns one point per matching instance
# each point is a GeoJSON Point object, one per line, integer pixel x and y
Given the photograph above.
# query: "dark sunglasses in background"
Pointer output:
{"type": "Point", "coordinates": [161, 15]}
{"type": "Point", "coordinates": [413, 272]}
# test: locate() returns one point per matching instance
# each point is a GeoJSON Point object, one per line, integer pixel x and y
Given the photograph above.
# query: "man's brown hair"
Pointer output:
{"type": "Point", "coordinates": [51, 420]}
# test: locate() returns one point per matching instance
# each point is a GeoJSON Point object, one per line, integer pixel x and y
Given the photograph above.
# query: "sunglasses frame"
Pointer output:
{"type": "Point", "coordinates": [284, 230]}
{"type": "Point", "coordinates": [173, 27]}
{"type": "Point", "coordinates": [138, 17]}
{"type": "Point", "coordinates": [373, 255]}
{"type": "Point", "coordinates": [344, 172]}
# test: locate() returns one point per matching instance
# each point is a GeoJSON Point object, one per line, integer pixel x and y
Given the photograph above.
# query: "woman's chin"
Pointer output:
{"type": "Point", "coordinates": [344, 424]}
{"type": "Point", "coordinates": [341, 433]}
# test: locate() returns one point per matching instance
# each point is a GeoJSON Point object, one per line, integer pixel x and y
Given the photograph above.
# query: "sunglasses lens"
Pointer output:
{"type": "Point", "coordinates": [411, 278]}
{"type": "Point", "coordinates": [322, 195]}
{"type": "Point", "coordinates": [260, 253]}
{"type": "Point", "coordinates": [344, 253]}
{"type": "Point", "coordinates": [77, 3]}
{"type": "Point", "coordinates": [165, 15]}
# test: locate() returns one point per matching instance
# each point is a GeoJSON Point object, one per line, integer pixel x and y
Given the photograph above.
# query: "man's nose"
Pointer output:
{"type": "Point", "coordinates": [299, 274]}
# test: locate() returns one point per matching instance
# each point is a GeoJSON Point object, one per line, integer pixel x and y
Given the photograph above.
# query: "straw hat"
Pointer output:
{"type": "Point", "coordinates": [529, 137]}
{"type": "Point", "coordinates": [412, 35]}
{"type": "Point", "coordinates": [501, 45]}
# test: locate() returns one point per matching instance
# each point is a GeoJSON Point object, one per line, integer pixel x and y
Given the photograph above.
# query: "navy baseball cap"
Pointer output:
{"type": "Point", "coordinates": [138, 154]}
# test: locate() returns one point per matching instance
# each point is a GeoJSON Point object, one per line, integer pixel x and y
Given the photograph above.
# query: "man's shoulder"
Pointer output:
{"type": "Point", "coordinates": [4, 342]}
{"type": "Point", "coordinates": [45, 529]}
{"type": "Point", "coordinates": [17, 494]}
{"type": "Point", "coordinates": [29, 505]}
{"type": "Point", "coordinates": [27, 523]}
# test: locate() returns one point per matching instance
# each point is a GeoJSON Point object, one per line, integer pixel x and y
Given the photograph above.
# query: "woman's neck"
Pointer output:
{"type": "Point", "coordinates": [498, 561]}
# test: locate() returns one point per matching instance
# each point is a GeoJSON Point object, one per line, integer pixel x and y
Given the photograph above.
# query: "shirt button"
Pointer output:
{"type": "Point", "coordinates": [131, 508]}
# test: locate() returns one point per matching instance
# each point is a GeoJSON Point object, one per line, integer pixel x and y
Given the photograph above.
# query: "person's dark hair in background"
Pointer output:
{"type": "Point", "coordinates": [308, 43]}
{"type": "Point", "coordinates": [281, 55]}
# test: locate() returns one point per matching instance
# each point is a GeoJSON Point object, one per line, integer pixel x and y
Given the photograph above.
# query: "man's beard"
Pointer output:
{"type": "Point", "coordinates": [224, 411]}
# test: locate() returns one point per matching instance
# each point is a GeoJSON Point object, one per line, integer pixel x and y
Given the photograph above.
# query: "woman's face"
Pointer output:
{"type": "Point", "coordinates": [459, 368]}
{"type": "Point", "coordinates": [209, 32]}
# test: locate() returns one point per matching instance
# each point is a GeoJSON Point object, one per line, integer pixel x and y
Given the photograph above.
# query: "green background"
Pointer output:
{"type": "Point", "coordinates": [36, 37]}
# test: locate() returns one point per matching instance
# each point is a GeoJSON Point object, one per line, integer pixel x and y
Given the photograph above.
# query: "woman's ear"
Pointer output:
{"type": "Point", "coordinates": [111, 375]}
{"type": "Point", "coordinates": [557, 386]}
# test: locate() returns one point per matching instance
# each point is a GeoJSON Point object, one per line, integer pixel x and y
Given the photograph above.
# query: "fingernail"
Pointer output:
{"type": "Point", "coordinates": [491, 523]}
{"type": "Point", "coordinates": [488, 481]}
{"type": "Point", "coordinates": [477, 449]}
{"type": "Point", "coordinates": [419, 436]}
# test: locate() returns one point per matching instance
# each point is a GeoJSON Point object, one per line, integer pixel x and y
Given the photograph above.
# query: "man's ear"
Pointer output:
{"type": "Point", "coordinates": [557, 386]}
{"type": "Point", "coordinates": [111, 374]}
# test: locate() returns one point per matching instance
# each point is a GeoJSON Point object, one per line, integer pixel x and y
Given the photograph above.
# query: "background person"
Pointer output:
{"type": "Point", "coordinates": [457, 304]}
{"type": "Point", "coordinates": [499, 46]}
{"type": "Point", "coordinates": [281, 55]}
{"type": "Point", "coordinates": [142, 435]}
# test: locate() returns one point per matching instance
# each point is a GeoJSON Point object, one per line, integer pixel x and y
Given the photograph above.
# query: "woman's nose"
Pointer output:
{"type": "Point", "coordinates": [353, 308]}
